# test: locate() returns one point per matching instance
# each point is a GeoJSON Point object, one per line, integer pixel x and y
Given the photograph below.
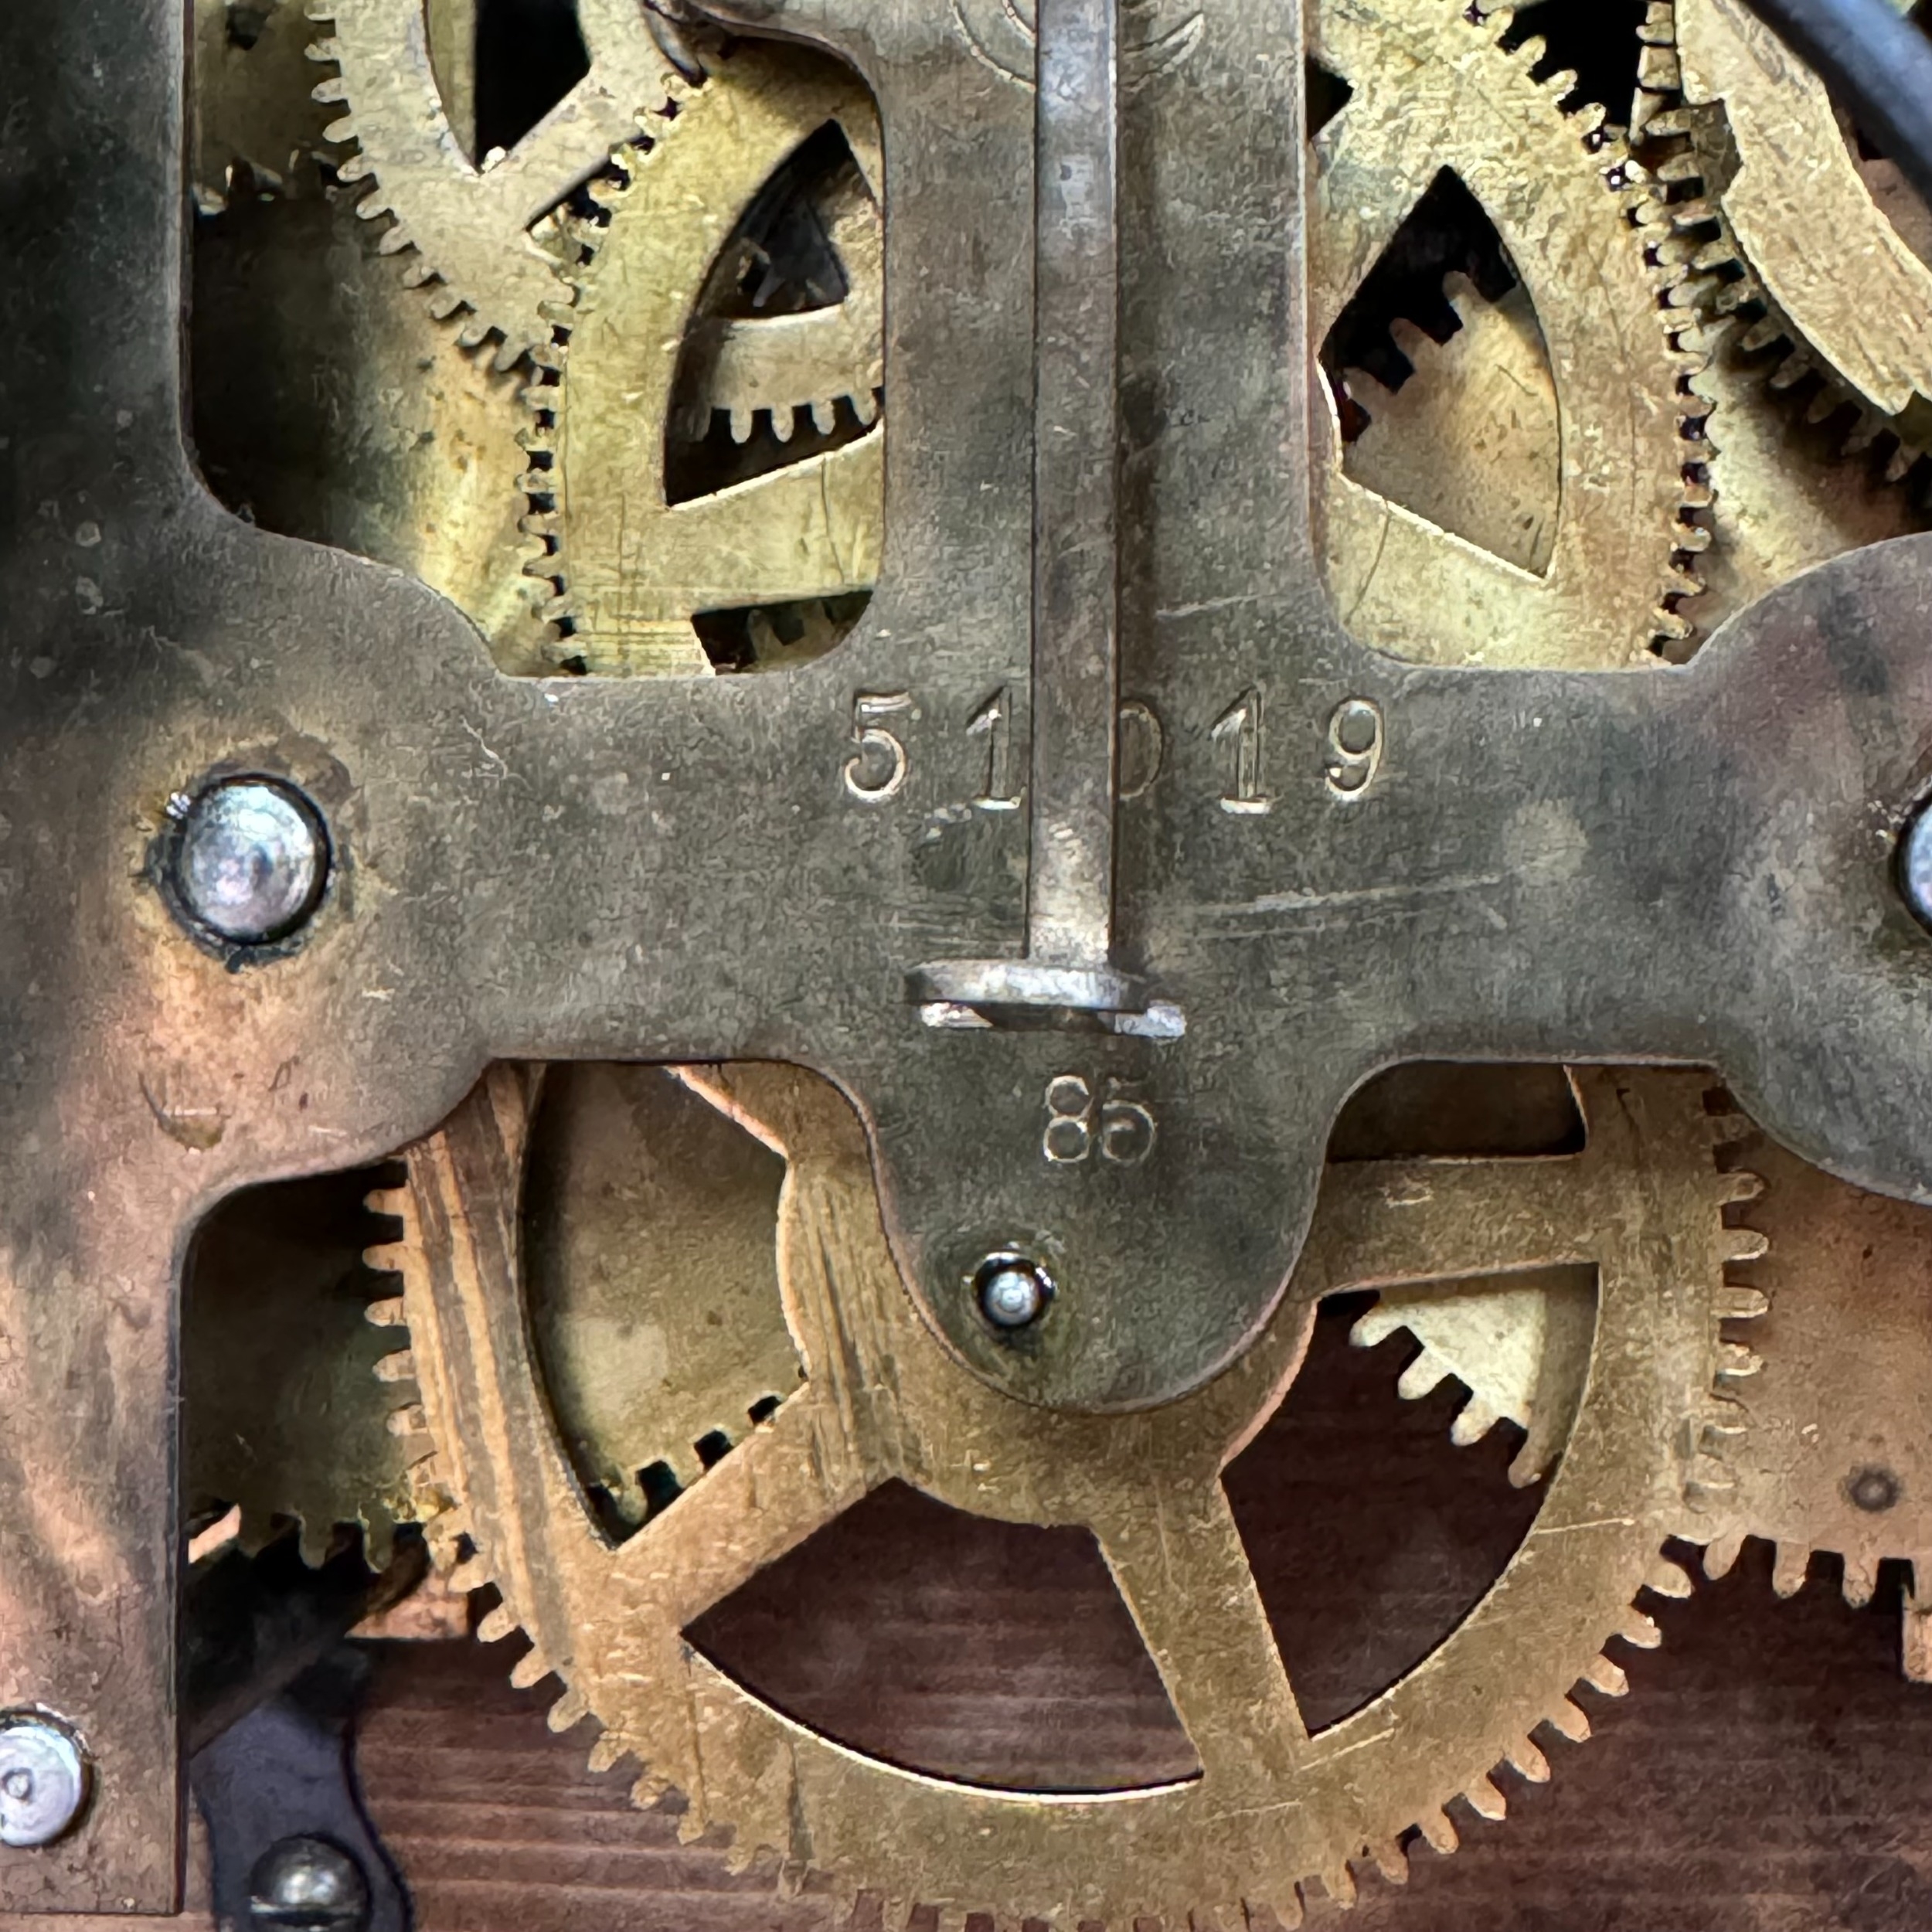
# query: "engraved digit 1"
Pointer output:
{"type": "Point", "coordinates": [1356, 737]}
{"type": "Point", "coordinates": [1241, 723]}
{"type": "Point", "coordinates": [991, 722]}
{"type": "Point", "coordinates": [864, 778]}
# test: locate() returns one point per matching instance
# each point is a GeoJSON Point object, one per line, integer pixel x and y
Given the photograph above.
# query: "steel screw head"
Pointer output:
{"type": "Point", "coordinates": [309, 1885]}
{"type": "Point", "coordinates": [1013, 1292]}
{"type": "Point", "coordinates": [44, 1779]}
{"type": "Point", "coordinates": [250, 859]}
{"type": "Point", "coordinates": [1915, 865]}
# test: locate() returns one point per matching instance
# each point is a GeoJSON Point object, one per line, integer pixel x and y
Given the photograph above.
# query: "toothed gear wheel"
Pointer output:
{"type": "Point", "coordinates": [290, 1396]}
{"type": "Point", "coordinates": [631, 564]}
{"type": "Point", "coordinates": [1433, 90]}
{"type": "Point", "coordinates": [481, 233]}
{"type": "Point", "coordinates": [1803, 463]}
{"type": "Point", "coordinates": [1273, 1807]}
{"type": "Point", "coordinates": [1842, 278]}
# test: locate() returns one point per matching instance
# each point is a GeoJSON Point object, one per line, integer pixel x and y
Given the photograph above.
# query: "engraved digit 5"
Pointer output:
{"type": "Point", "coordinates": [877, 771]}
{"type": "Point", "coordinates": [1355, 739]}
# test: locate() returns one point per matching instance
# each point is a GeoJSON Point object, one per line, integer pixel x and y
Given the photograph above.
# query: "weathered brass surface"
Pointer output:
{"type": "Point", "coordinates": [632, 566]}
{"type": "Point", "coordinates": [1094, 977]}
{"type": "Point", "coordinates": [883, 1399]}
{"type": "Point", "coordinates": [1433, 91]}
{"type": "Point", "coordinates": [1811, 227]}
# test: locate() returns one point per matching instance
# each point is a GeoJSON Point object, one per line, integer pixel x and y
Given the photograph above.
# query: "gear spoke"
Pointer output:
{"type": "Point", "coordinates": [1385, 1222]}
{"type": "Point", "coordinates": [790, 1477]}
{"type": "Point", "coordinates": [1178, 1558]}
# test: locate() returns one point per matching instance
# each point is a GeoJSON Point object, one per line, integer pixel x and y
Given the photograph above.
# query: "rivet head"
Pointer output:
{"type": "Point", "coordinates": [308, 1885]}
{"type": "Point", "coordinates": [250, 859]}
{"type": "Point", "coordinates": [1012, 1290]}
{"type": "Point", "coordinates": [43, 1780]}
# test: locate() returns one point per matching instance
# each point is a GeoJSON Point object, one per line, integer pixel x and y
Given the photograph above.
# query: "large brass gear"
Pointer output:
{"type": "Point", "coordinates": [473, 224]}
{"type": "Point", "coordinates": [1273, 1807]}
{"type": "Point", "coordinates": [633, 567]}
{"type": "Point", "coordinates": [1810, 221]}
{"type": "Point", "coordinates": [1434, 90]}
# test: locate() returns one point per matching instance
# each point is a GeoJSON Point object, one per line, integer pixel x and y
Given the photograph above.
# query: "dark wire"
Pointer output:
{"type": "Point", "coordinates": [1877, 64]}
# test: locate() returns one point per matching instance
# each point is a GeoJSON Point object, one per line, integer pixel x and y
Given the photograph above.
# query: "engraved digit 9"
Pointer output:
{"type": "Point", "coordinates": [1355, 740]}
{"type": "Point", "coordinates": [877, 771]}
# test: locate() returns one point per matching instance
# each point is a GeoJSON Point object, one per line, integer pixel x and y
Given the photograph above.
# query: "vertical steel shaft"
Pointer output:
{"type": "Point", "coordinates": [1077, 308]}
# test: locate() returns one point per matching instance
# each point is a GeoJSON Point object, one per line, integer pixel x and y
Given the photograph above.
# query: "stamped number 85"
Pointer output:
{"type": "Point", "coordinates": [1079, 1122]}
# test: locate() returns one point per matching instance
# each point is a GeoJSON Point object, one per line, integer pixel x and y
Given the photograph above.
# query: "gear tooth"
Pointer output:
{"type": "Point", "coordinates": [1531, 53]}
{"type": "Point", "coordinates": [743, 422]}
{"type": "Point", "coordinates": [1679, 168]}
{"type": "Point", "coordinates": [1740, 1184]}
{"type": "Point", "coordinates": [531, 1668]}
{"type": "Point", "coordinates": [331, 93]}
{"type": "Point", "coordinates": [467, 1577]}
{"type": "Point", "coordinates": [1528, 1762]}
{"type": "Point", "coordinates": [412, 1420]}
{"type": "Point", "coordinates": [1569, 1720]}
{"type": "Point", "coordinates": [568, 1710]}
{"type": "Point", "coordinates": [1485, 1800]}
{"type": "Point", "coordinates": [1793, 370]}
{"type": "Point", "coordinates": [1439, 1832]}
{"type": "Point", "coordinates": [496, 1625]}
{"type": "Point", "coordinates": [1790, 1566]}
{"type": "Point", "coordinates": [784, 421]}
{"type": "Point", "coordinates": [1339, 1882]}
{"type": "Point", "coordinates": [1473, 1422]}
{"type": "Point", "coordinates": [868, 406]}
{"type": "Point", "coordinates": [340, 132]}
{"type": "Point", "coordinates": [1391, 1860]}
{"type": "Point", "coordinates": [314, 1539]}
{"type": "Point", "coordinates": [326, 51]}
{"type": "Point", "coordinates": [1903, 459]}
{"type": "Point", "coordinates": [824, 417]}
{"type": "Point", "coordinates": [385, 1257]}
{"type": "Point", "coordinates": [1640, 1631]}
{"type": "Point", "coordinates": [1765, 333]}
{"type": "Point", "coordinates": [1608, 1677]}
{"type": "Point", "coordinates": [1375, 1326]}
{"type": "Point", "coordinates": [1739, 1303]}
{"type": "Point", "coordinates": [1421, 1376]}
{"type": "Point", "coordinates": [1722, 1554]}
{"type": "Point", "coordinates": [1735, 1362]}
{"type": "Point", "coordinates": [1861, 1581]}
{"type": "Point", "coordinates": [1692, 540]}
{"type": "Point", "coordinates": [608, 1750]}
{"type": "Point", "coordinates": [1561, 85]}
{"type": "Point", "coordinates": [399, 1367]}
{"type": "Point", "coordinates": [1590, 117]}
{"type": "Point", "coordinates": [1658, 70]}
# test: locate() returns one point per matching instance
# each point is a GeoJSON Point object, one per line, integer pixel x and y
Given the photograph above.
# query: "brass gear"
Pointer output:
{"type": "Point", "coordinates": [289, 1397]}
{"type": "Point", "coordinates": [250, 66]}
{"type": "Point", "coordinates": [883, 1400]}
{"type": "Point", "coordinates": [1433, 88]}
{"type": "Point", "coordinates": [1792, 489]}
{"type": "Point", "coordinates": [480, 229]}
{"type": "Point", "coordinates": [1837, 1457]}
{"type": "Point", "coordinates": [631, 566]}
{"type": "Point", "coordinates": [1811, 223]}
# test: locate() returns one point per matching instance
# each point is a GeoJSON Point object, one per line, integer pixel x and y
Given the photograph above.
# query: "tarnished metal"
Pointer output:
{"type": "Point", "coordinates": [1273, 1804]}
{"type": "Point", "coordinates": [1337, 860]}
